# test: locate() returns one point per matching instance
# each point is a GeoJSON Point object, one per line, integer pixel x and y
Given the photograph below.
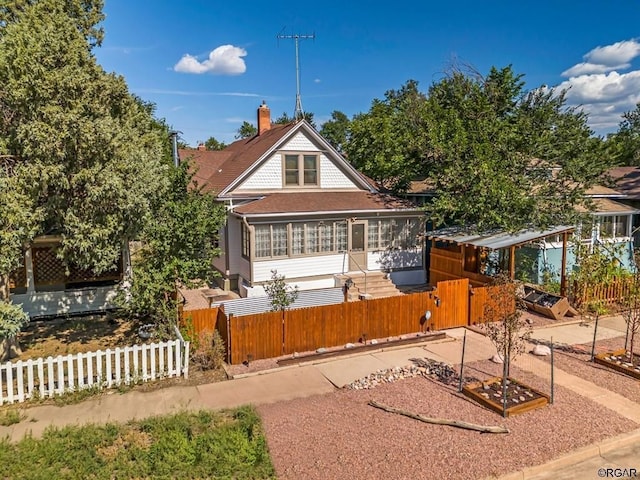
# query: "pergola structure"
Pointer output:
{"type": "Point", "coordinates": [457, 252]}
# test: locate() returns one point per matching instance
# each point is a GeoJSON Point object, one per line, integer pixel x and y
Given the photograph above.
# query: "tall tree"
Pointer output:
{"type": "Point", "coordinates": [336, 130]}
{"type": "Point", "coordinates": [388, 142]}
{"type": "Point", "coordinates": [178, 248]}
{"type": "Point", "coordinates": [503, 157]}
{"type": "Point", "coordinates": [625, 143]}
{"type": "Point", "coordinates": [91, 150]}
{"type": "Point", "coordinates": [246, 130]}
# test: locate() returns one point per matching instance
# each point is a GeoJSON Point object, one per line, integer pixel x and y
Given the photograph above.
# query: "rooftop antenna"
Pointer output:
{"type": "Point", "coordinates": [299, 113]}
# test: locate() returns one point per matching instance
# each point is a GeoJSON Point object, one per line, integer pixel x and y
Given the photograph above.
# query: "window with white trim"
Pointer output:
{"type": "Point", "coordinates": [246, 241]}
{"type": "Point", "coordinates": [300, 169]}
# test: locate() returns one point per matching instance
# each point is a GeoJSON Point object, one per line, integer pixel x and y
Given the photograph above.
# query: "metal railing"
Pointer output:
{"type": "Point", "coordinates": [346, 253]}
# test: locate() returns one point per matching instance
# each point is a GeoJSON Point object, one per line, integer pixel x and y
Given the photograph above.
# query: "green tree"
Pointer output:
{"type": "Point", "coordinates": [502, 157]}
{"type": "Point", "coordinates": [285, 118]}
{"type": "Point", "coordinates": [280, 294]}
{"type": "Point", "coordinates": [246, 130]}
{"type": "Point", "coordinates": [178, 248]}
{"type": "Point", "coordinates": [388, 142]}
{"type": "Point", "coordinates": [336, 130]}
{"type": "Point", "coordinates": [625, 143]}
{"type": "Point", "coordinates": [213, 144]}
{"type": "Point", "coordinates": [90, 152]}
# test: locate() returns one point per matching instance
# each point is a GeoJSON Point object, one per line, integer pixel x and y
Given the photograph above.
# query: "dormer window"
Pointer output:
{"type": "Point", "coordinates": [300, 169]}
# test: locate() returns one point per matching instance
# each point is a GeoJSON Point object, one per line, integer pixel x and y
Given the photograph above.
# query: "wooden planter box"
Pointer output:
{"type": "Point", "coordinates": [604, 359]}
{"type": "Point", "coordinates": [547, 304]}
{"type": "Point", "coordinates": [539, 399]}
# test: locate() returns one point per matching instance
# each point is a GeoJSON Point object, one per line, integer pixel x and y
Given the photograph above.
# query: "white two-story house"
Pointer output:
{"type": "Point", "coordinates": [295, 205]}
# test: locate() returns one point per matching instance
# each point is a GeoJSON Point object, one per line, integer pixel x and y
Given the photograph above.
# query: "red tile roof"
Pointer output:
{"type": "Point", "coordinates": [319, 202]}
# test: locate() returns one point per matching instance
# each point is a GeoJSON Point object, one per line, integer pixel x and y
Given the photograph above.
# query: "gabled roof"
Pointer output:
{"type": "Point", "coordinates": [324, 202]}
{"type": "Point", "coordinates": [223, 167]}
{"type": "Point", "coordinates": [220, 171]}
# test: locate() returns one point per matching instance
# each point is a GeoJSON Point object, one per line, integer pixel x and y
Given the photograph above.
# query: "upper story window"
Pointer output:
{"type": "Point", "coordinates": [300, 169]}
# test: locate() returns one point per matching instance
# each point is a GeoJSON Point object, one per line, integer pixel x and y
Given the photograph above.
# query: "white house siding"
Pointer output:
{"type": "Point", "coordinates": [394, 259]}
{"type": "Point", "coordinates": [267, 177]}
{"type": "Point", "coordinates": [332, 177]}
{"type": "Point", "coordinates": [300, 143]}
{"type": "Point", "coordinates": [237, 263]}
{"type": "Point", "coordinates": [293, 268]}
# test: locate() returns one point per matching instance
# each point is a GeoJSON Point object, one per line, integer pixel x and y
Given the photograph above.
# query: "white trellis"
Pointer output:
{"type": "Point", "coordinates": [46, 377]}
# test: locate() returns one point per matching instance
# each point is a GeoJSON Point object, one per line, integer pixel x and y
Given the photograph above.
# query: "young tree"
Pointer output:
{"type": "Point", "coordinates": [178, 248]}
{"type": "Point", "coordinates": [280, 294]}
{"type": "Point", "coordinates": [504, 323]}
{"type": "Point", "coordinates": [631, 316]}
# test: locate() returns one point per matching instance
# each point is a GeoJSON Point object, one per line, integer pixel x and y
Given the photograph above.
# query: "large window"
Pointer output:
{"type": "Point", "coordinates": [292, 239]}
{"type": "Point", "coordinates": [300, 169]}
{"type": "Point", "coordinates": [394, 233]}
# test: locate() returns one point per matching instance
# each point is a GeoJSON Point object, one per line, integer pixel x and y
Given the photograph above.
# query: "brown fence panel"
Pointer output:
{"type": "Point", "coordinates": [203, 320]}
{"type": "Point", "coordinates": [607, 293]}
{"type": "Point", "coordinates": [454, 304]}
{"type": "Point", "coordinates": [483, 296]}
{"type": "Point", "coordinates": [254, 337]}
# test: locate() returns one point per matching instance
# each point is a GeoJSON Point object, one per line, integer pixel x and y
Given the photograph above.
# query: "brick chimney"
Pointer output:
{"type": "Point", "coordinates": [264, 118]}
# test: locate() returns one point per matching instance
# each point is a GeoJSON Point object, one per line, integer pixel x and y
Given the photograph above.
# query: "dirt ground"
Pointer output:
{"type": "Point", "coordinates": [43, 338]}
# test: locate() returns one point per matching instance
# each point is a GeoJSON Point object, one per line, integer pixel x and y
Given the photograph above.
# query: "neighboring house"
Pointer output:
{"type": "Point", "coordinates": [611, 228]}
{"type": "Point", "coordinates": [627, 181]}
{"type": "Point", "coordinates": [295, 205]}
{"type": "Point", "coordinates": [615, 225]}
{"type": "Point", "coordinates": [45, 286]}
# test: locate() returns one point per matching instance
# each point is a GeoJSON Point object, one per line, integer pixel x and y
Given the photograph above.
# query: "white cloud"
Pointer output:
{"type": "Point", "coordinates": [606, 59]}
{"type": "Point", "coordinates": [224, 60]}
{"type": "Point", "coordinates": [317, 80]}
{"type": "Point", "coordinates": [600, 89]}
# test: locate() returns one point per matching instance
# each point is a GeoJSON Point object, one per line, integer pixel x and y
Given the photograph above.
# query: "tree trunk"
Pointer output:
{"type": "Point", "coordinates": [4, 287]}
{"type": "Point", "coordinates": [9, 348]}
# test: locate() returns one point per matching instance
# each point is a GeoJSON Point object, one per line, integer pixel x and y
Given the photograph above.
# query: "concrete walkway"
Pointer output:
{"type": "Point", "coordinates": [318, 378]}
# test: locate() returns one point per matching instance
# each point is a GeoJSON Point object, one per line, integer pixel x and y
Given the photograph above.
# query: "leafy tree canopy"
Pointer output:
{"type": "Point", "coordinates": [497, 155]}
{"type": "Point", "coordinates": [625, 143]}
{"type": "Point", "coordinates": [178, 247]}
{"type": "Point", "coordinates": [213, 144]}
{"type": "Point", "coordinates": [246, 130]}
{"type": "Point", "coordinates": [336, 130]}
{"type": "Point", "coordinates": [90, 152]}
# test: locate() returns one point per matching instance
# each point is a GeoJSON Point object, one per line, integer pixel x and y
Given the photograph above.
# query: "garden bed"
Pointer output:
{"type": "Point", "coordinates": [520, 398]}
{"type": "Point", "coordinates": [620, 361]}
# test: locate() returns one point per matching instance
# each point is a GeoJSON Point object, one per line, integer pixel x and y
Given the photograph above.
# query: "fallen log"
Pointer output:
{"type": "Point", "coordinates": [440, 421]}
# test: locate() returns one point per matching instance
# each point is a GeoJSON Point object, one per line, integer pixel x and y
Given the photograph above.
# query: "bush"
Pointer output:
{"type": "Point", "coordinates": [12, 319]}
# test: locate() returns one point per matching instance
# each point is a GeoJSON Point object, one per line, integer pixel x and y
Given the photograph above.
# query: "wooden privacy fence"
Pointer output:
{"type": "Point", "coordinates": [608, 293]}
{"type": "Point", "coordinates": [22, 380]}
{"type": "Point", "coordinates": [272, 334]}
{"type": "Point", "coordinates": [480, 297]}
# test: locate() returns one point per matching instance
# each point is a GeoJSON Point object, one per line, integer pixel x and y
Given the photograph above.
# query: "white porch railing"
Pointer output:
{"type": "Point", "coordinates": [46, 377]}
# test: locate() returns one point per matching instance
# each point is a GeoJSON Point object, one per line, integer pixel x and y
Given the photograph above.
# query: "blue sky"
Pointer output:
{"type": "Point", "coordinates": [208, 65]}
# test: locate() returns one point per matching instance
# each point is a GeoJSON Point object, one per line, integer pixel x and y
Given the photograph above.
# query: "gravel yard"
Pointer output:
{"type": "Point", "coordinates": [579, 364]}
{"type": "Point", "coordinates": [339, 436]}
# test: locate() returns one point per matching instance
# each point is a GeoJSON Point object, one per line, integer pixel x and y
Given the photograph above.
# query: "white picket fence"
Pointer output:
{"type": "Point", "coordinates": [46, 377]}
